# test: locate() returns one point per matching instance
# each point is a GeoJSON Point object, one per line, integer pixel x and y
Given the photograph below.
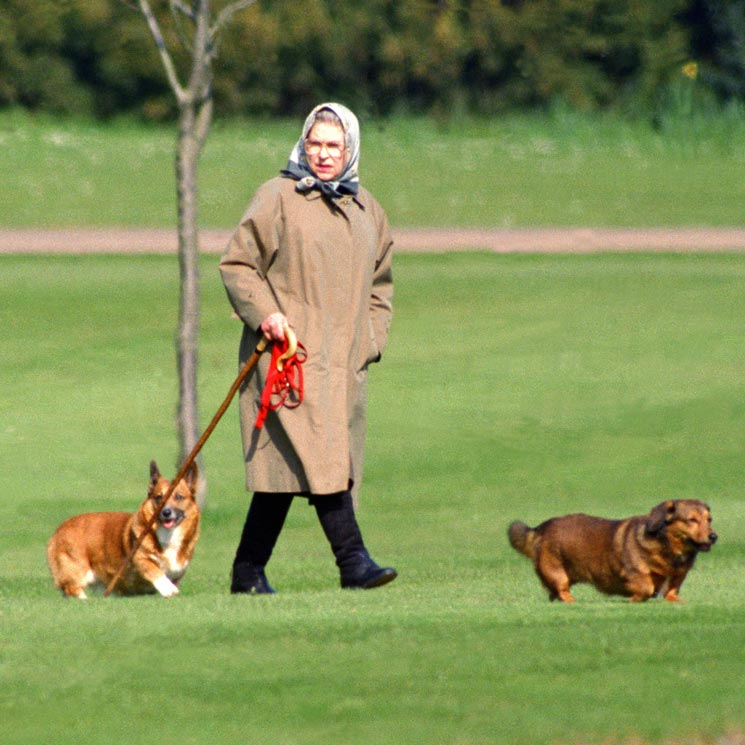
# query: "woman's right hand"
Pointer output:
{"type": "Point", "coordinates": [273, 327]}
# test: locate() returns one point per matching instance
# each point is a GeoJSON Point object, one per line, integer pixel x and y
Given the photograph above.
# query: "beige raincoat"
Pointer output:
{"type": "Point", "coordinates": [326, 264]}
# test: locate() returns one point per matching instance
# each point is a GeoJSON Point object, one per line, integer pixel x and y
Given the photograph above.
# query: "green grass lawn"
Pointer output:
{"type": "Point", "coordinates": [512, 171]}
{"type": "Point", "coordinates": [514, 387]}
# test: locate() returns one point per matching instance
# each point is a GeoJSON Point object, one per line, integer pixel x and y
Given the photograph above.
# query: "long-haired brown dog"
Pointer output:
{"type": "Point", "coordinates": [639, 557]}
{"type": "Point", "coordinates": [89, 549]}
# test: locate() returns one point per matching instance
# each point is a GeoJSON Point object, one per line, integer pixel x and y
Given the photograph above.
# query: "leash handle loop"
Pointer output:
{"type": "Point", "coordinates": [284, 379]}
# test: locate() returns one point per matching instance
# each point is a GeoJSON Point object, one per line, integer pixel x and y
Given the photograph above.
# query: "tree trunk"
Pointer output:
{"type": "Point", "coordinates": [194, 121]}
{"type": "Point", "coordinates": [187, 342]}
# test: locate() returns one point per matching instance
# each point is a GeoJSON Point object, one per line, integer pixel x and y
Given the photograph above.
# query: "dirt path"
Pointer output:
{"type": "Point", "coordinates": [542, 240]}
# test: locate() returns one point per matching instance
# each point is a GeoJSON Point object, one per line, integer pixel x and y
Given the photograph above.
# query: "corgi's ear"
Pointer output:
{"type": "Point", "coordinates": [154, 472]}
{"type": "Point", "coordinates": [192, 475]}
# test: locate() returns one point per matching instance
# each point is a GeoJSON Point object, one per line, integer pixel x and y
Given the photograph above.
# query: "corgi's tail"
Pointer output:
{"type": "Point", "coordinates": [522, 538]}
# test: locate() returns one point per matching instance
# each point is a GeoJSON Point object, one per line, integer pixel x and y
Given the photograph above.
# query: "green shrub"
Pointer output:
{"type": "Point", "coordinates": [381, 57]}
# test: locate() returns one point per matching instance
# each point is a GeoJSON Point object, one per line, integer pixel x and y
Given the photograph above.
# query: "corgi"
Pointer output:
{"type": "Point", "coordinates": [87, 550]}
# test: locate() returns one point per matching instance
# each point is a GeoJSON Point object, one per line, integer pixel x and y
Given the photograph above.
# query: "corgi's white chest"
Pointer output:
{"type": "Point", "coordinates": [170, 544]}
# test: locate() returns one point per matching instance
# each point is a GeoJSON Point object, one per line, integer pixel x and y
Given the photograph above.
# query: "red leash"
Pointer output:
{"type": "Point", "coordinates": [284, 379]}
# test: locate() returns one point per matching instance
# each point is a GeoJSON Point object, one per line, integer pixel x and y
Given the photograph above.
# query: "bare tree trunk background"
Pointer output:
{"type": "Point", "coordinates": [187, 335]}
{"type": "Point", "coordinates": [195, 118]}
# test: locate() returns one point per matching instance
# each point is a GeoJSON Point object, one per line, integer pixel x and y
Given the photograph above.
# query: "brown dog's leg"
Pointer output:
{"type": "Point", "coordinates": [641, 588]}
{"type": "Point", "coordinates": [554, 578]}
{"type": "Point", "coordinates": [672, 595]}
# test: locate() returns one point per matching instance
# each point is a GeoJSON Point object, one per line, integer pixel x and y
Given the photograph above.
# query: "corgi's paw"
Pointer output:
{"type": "Point", "coordinates": [165, 587]}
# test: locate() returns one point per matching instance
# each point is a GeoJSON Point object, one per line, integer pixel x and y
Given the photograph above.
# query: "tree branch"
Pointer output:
{"type": "Point", "coordinates": [185, 9]}
{"type": "Point", "coordinates": [170, 69]}
{"type": "Point", "coordinates": [226, 14]}
{"type": "Point", "coordinates": [203, 122]}
{"type": "Point", "coordinates": [200, 81]}
{"type": "Point", "coordinates": [178, 7]}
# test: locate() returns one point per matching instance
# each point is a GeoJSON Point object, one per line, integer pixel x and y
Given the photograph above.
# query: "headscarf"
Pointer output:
{"type": "Point", "coordinates": [348, 181]}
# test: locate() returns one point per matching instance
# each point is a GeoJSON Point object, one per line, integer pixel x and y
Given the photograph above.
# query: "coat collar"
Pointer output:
{"type": "Point", "coordinates": [360, 199]}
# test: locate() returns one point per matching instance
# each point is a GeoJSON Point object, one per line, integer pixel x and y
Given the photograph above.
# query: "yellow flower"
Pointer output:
{"type": "Point", "coordinates": [690, 70]}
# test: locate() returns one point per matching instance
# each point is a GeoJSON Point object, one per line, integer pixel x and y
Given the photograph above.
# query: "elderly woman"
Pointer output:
{"type": "Point", "coordinates": [312, 252]}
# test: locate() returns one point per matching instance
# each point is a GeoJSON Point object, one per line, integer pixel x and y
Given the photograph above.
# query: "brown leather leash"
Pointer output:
{"type": "Point", "coordinates": [187, 464]}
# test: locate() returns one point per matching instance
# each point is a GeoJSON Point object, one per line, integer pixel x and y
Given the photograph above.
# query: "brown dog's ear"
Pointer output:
{"type": "Point", "coordinates": [660, 516]}
{"type": "Point", "coordinates": [154, 473]}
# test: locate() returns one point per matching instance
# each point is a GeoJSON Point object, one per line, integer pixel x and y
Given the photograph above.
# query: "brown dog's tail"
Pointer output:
{"type": "Point", "coordinates": [522, 538]}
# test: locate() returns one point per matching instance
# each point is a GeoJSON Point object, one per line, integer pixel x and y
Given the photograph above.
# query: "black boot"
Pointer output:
{"type": "Point", "coordinates": [369, 576]}
{"type": "Point", "coordinates": [250, 579]}
{"type": "Point", "coordinates": [264, 522]}
{"type": "Point", "coordinates": [357, 570]}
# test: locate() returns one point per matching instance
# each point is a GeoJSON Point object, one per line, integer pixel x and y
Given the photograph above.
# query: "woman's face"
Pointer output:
{"type": "Point", "coordinates": [325, 151]}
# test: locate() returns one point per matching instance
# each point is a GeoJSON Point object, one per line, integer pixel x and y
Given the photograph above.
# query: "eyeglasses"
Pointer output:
{"type": "Point", "coordinates": [334, 149]}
